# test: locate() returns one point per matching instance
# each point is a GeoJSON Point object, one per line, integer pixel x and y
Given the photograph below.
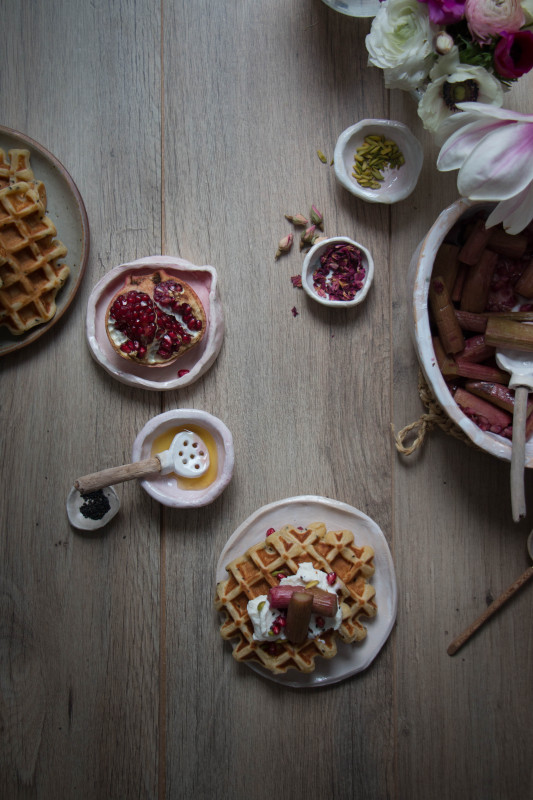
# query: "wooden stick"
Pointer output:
{"type": "Point", "coordinates": [460, 640]}
{"type": "Point", "coordinates": [108, 477]}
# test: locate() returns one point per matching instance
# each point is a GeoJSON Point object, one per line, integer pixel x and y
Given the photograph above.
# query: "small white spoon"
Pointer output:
{"type": "Point", "coordinates": [460, 640]}
{"type": "Point", "coordinates": [187, 456]}
{"type": "Point", "coordinates": [520, 366]}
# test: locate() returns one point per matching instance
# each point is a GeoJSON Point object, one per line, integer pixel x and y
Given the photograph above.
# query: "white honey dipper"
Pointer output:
{"type": "Point", "coordinates": [187, 457]}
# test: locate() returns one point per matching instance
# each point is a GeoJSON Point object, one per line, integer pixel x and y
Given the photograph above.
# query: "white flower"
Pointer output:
{"type": "Point", "coordinates": [400, 43]}
{"type": "Point", "coordinates": [493, 150]}
{"type": "Point", "coordinates": [527, 8]}
{"type": "Point", "coordinates": [452, 82]}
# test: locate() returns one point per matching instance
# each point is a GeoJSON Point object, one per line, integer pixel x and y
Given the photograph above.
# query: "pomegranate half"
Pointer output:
{"type": "Point", "coordinates": [154, 319]}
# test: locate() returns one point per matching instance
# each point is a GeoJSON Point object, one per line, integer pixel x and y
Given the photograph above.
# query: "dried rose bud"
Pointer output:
{"type": "Point", "coordinates": [284, 245]}
{"type": "Point", "coordinates": [443, 43]}
{"type": "Point", "coordinates": [317, 218]}
{"type": "Point", "coordinates": [306, 239]}
{"type": "Point", "coordinates": [297, 219]}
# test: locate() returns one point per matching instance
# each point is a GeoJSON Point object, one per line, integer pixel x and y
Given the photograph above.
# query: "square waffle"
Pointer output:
{"type": "Point", "coordinates": [284, 550]}
{"type": "Point", "coordinates": [30, 275]}
{"type": "Point", "coordinates": [16, 167]}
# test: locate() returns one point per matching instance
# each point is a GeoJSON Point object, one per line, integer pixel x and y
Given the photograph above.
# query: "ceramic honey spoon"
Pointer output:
{"type": "Point", "coordinates": [520, 366]}
{"type": "Point", "coordinates": [463, 637]}
{"type": "Point", "coordinates": [187, 457]}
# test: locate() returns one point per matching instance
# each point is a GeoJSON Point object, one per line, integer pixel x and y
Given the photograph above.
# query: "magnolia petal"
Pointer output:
{"type": "Point", "coordinates": [488, 110]}
{"type": "Point", "coordinates": [497, 168]}
{"type": "Point", "coordinates": [515, 213]}
{"type": "Point", "coordinates": [460, 144]}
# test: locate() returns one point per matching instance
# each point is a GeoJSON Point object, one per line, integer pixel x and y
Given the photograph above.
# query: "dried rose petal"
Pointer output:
{"type": "Point", "coordinates": [296, 281]}
{"type": "Point", "coordinates": [294, 311]}
{"type": "Point", "coordinates": [341, 273]}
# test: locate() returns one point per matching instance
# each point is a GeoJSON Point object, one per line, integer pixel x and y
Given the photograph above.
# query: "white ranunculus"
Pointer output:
{"type": "Point", "coordinates": [493, 150]}
{"type": "Point", "coordinates": [400, 43]}
{"type": "Point", "coordinates": [448, 80]}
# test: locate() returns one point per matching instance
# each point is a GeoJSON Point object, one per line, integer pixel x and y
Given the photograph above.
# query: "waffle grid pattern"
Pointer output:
{"type": "Point", "coordinates": [256, 571]}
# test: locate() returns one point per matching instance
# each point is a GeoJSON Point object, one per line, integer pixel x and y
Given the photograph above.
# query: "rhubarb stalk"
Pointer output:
{"type": "Point", "coordinates": [477, 240]}
{"type": "Point", "coordinates": [443, 311]}
{"type": "Point", "coordinates": [510, 335]}
{"type": "Point", "coordinates": [486, 415]}
{"type": "Point", "coordinates": [477, 283]}
{"type": "Point", "coordinates": [524, 284]}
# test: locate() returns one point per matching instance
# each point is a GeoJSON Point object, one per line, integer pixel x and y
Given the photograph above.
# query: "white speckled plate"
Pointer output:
{"type": "Point", "coordinates": [66, 209]}
{"type": "Point", "coordinates": [194, 362]}
{"type": "Point", "coordinates": [350, 658]}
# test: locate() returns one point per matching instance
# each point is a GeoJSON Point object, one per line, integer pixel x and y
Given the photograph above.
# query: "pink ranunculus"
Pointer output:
{"type": "Point", "coordinates": [445, 12]}
{"type": "Point", "coordinates": [488, 18]}
{"type": "Point", "coordinates": [513, 55]}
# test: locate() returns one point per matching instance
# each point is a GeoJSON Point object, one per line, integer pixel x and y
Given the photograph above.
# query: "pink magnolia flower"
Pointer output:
{"type": "Point", "coordinates": [488, 18]}
{"type": "Point", "coordinates": [493, 150]}
{"type": "Point", "coordinates": [513, 55]}
{"type": "Point", "coordinates": [444, 12]}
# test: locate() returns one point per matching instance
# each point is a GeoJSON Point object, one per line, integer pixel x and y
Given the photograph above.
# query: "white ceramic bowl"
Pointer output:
{"type": "Point", "coordinates": [164, 488]}
{"type": "Point", "coordinates": [398, 183]}
{"type": "Point", "coordinates": [354, 8]}
{"type": "Point", "coordinates": [419, 276]}
{"type": "Point", "coordinates": [76, 502]}
{"type": "Point", "coordinates": [312, 261]}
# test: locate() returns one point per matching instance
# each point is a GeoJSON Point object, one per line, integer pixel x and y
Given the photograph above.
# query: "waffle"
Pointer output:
{"type": "Point", "coordinates": [30, 276]}
{"type": "Point", "coordinates": [16, 167]}
{"type": "Point", "coordinates": [253, 574]}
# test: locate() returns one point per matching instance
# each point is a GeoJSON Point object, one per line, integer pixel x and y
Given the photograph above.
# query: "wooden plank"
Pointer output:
{"type": "Point", "coordinates": [250, 96]}
{"type": "Point", "coordinates": [80, 617]}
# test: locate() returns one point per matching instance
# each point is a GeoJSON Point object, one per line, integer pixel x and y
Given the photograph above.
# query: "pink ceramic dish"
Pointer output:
{"type": "Point", "coordinates": [164, 488]}
{"type": "Point", "coordinates": [192, 364]}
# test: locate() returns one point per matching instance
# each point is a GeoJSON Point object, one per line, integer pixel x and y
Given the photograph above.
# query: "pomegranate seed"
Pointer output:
{"type": "Point", "coordinates": [270, 531]}
{"type": "Point", "coordinates": [331, 577]}
{"type": "Point", "coordinates": [320, 622]}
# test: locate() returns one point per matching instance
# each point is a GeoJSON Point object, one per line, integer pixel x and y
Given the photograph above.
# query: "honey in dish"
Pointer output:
{"type": "Point", "coordinates": [164, 441]}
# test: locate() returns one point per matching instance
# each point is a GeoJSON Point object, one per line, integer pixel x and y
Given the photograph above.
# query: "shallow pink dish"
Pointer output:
{"type": "Point", "coordinates": [192, 364]}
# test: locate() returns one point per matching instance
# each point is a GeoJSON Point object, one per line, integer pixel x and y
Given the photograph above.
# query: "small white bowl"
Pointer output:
{"type": "Point", "coordinates": [419, 277]}
{"type": "Point", "coordinates": [354, 8]}
{"type": "Point", "coordinates": [312, 261]}
{"type": "Point", "coordinates": [398, 183]}
{"type": "Point", "coordinates": [164, 488]}
{"type": "Point", "coordinates": [79, 510]}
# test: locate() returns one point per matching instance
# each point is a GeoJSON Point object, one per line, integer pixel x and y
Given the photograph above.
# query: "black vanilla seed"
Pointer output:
{"type": "Point", "coordinates": [95, 505]}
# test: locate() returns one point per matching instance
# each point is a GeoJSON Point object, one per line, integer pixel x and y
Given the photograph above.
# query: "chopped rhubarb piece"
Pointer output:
{"type": "Point", "coordinates": [476, 349]}
{"type": "Point", "coordinates": [298, 617]}
{"type": "Point", "coordinates": [477, 283]}
{"type": "Point", "coordinates": [477, 240]}
{"type": "Point", "coordinates": [457, 290]}
{"type": "Point", "coordinates": [443, 311]}
{"type": "Point", "coordinates": [323, 602]}
{"type": "Point", "coordinates": [496, 393]}
{"type": "Point", "coordinates": [508, 334]}
{"type": "Point", "coordinates": [524, 284]}
{"type": "Point", "coordinates": [447, 264]}
{"type": "Point", "coordinates": [480, 372]}
{"type": "Point", "coordinates": [446, 363]}
{"type": "Point", "coordinates": [506, 244]}
{"type": "Point", "coordinates": [486, 415]}
{"type": "Point", "coordinates": [474, 323]}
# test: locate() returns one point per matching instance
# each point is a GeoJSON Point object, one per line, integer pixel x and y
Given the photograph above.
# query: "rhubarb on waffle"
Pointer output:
{"type": "Point", "coordinates": [259, 569]}
{"type": "Point", "coordinates": [30, 272]}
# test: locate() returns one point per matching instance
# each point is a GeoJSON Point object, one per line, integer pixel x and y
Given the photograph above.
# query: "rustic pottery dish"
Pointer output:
{"type": "Point", "coordinates": [77, 504]}
{"type": "Point", "coordinates": [419, 277]}
{"type": "Point", "coordinates": [189, 367]}
{"type": "Point", "coordinates": [312, 262]}
{"type": "Point", "coordinates": [166, 489]}
{"type": "Point", "coordinates": [66, 209]}
{"type": "Point", "coordinates": [398, 183]}
{"type": "Point", "coordinates": [354, 8]}
{"type": "Point", "coordinates": [303, 510]}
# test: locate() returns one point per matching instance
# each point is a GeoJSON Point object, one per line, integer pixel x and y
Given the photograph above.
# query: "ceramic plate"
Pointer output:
{"type": "Point", "coordinates": [66, 209]}
{"type": "Point", "coordinates": [350, 658]}
{"type": "Point", "coordinates": [193, 363]}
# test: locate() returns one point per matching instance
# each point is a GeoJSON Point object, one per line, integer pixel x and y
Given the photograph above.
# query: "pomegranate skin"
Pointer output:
{"type": "Point", "coordinates": [154, 319]}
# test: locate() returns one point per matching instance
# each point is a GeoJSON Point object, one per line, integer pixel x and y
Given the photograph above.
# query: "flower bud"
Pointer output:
{"type": "Point", "coordinates": [307, 236]}
{"type": "Point", "coordinates": [284, 245]}
{"type": "Point", "coordinates": [317, 218]}
{"type": "Point", "coordinates": [443, 43]}
{"type": "Point", "coordinates": [297, 219]}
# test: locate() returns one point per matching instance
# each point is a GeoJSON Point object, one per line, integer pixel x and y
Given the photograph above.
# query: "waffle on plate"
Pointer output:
{"type": "Point", "coordinates": [255, 572]}
{"type": "Point", "coordinates": [30, 272]}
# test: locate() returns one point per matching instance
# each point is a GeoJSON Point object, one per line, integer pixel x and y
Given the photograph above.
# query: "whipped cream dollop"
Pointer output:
{"type": "Point", "coordinates": [264, 617]}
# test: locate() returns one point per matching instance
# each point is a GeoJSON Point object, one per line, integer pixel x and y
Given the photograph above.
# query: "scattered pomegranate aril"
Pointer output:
{"type": "Point", "coordinates": [331, 577]}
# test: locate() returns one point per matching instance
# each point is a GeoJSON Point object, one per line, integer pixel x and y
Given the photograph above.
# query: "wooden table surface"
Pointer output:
{"type": "Point", "coordinates": [190, 129]}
